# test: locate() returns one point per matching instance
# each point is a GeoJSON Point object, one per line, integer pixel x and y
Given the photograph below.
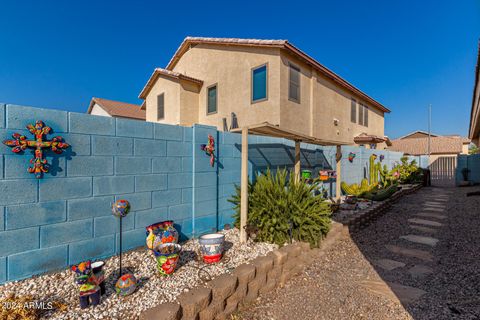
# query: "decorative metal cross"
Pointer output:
{"type": "Point", "coordinates": [21, 143]}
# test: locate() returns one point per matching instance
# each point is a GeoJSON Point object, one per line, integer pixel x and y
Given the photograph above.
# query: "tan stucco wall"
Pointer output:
{"type": "Point", "coordinates": [98, 111]}
{"type": "Point", "coordinates": [434, 157]}
{"type": "Point", "coordinates": [465, 148]}
{"type": "Point", "coordinates": [321, 102]}
{"type": "Point", "coordinates": [230, 69]}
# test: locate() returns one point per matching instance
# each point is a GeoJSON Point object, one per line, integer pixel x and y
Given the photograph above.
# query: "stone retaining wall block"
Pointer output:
{"type": "Point", "coordinates": [279, 257]}
{"type": "Point", "coordinates": [212, 310]}
{"type": "Point", "coordinates": [165, 311]}
{"type": "Point", "coordinates": [263, 264]}
{"type": "Point", "coordinates": [269, 286]}
{"type": "Point", "coordinates": [245, 273]}
{"type": "Point", "coordinates": [223, 287]}
{"type": "Point", "coordinates": [194, 301]}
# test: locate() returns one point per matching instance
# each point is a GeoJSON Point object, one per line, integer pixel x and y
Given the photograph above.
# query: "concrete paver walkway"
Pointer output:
{"type": "Point", "coordinates": [412, 263]}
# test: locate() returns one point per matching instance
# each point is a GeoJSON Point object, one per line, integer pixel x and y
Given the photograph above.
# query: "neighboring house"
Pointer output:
{"type": "Point", "coordinates": [474, 132]}
{"type": "Point", "coordinates": [227, 83]}
{"type": "Point", "coordinates": [416, 144]}
{"type": "Point", "coordinates": [111, 108]}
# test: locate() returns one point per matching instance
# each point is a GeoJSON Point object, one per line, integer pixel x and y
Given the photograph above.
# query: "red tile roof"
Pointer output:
{"type": "Point", "coordinates": [282, 44]}
{"type": "Point", "coordinates": [168, 73]}
{"type": "Point", "coordinates": [118, 109]}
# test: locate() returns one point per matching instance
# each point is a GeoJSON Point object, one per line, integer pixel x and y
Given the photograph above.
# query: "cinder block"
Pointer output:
{"type": "Point", "coordinates": [167, 132]}
{"type": "Point", "coordinates": [205, 208]}
{"type": "Point", "coordinates": [19, 116]}
{"type": "Point", "coordinates": [132, 165]}
{"type": "Point", "coordinates": [147, 217]}
{"type": "Point", "coordinates": [187, 134]}
{"type": "Point", "coordinates": [151, 182]}
{"type": "Point", "coordinates": [3, 269]}
{"type": "Point", "coordinates": [18, 191]}
{"type": "Point", "coordinates": [2, 218]}
{"type": "Point", "coordinates": [245, 273]}
{"type": "Point", "coordinates": [38, 214]}
{"type": "Point", "coordinates": [179, 180]}
{"type": "Point", "coordinates": [23, 265]}
{"type": "Point", "coordinates": [225, 151]}
{"type": "Point", "coordinates": [14, 241]}
{"type": "Point", "coordinates": [167, 164]}
{"type": "Point", "coordinates": [187, 164]}
{"type": "Point", "coordinates": [205, 179]}
{"type": "Point", "coordinates": [80, 144]}
{"type": "Point", "coordinates": [89, 207]}
{"type": "Point", "coordinates": [151, 148]}
{"type": "Point", "coordinates": [131, 239]}
{"type": "Point", "coordinates": [138, 201]}
{"type": "Point", "coordinates": [206, 193]}
{"type": "Point", "coordinates": [91, 249]}
{"type": "Point", "coordinates": [107, 146]}
{"type": "Point", "coordinates": [134, 128]}
{"type": "Point", "coordinates": [223, 286]}
{"type": "Point", "coordinates": [59, 233]}
{"type": "Point", "coordinates": [232, 138]}
{"type": "Point", "coordinates": [65, 188]}
{"type": "Point", "coordinates": [166, 198]}
{"type": "Point", "coordinates": [210, 312]}
{"type": "Point", "coordinates": [164, 311]}
{"type": "Point", "coordinates": [227, 190]}
{"type": "Point", "coordinates": [16, 166]}
{"type": "Point", "coordinates": [113, 185]}
{"type": "Point", "coordinates": [205, 224]}
{"type": "Point", "coordinates": [2, 124]}
{"type": "Point", "coordinates": [180, 212]}
{"type": "Point", "coordinates": [89, 124]}
{"type": "Point", "coordinates": [187, 195]}
{"type": "Point", "coordinates": [90, 166]}
{"type": "Point", "coordinates": [194, 301]}
{"type": "Point", "coordinates": [179, 149]}
{"type": "Point", "coordinates": [103, 226]}
{"type": "Point", "coordinates": [229, 176]}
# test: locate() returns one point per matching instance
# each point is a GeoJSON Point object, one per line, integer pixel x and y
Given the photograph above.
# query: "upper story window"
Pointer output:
{"type": "Point", "coordinates": [360, 114]}
{"type": "Point", "coordinates": [294, 84]}
{"type": "Point", "coordinates": [161, 106]}
{"type": "Point", "coordinates": [259, 83]}
{"type": "Point", "coordinates": [353, 111]}
{"type": "Point", "coordinates": [212, 99]}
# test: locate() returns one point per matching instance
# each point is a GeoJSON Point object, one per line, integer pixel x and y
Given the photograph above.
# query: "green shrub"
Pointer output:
{"type": "Point", "coordinates": [408, 172]}
{"type": "Point", "coordinates": [278, 205]}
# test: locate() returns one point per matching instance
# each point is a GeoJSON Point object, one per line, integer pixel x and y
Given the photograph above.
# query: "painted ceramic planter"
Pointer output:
{"type": "Point", "coordinates": [167, 255]}
{"type": "Point", "coordinates": [126, 284]}
{"type": "Point", "coordinates": [161, 232]}
{"type": "Point", "coordinates": [211, 246]}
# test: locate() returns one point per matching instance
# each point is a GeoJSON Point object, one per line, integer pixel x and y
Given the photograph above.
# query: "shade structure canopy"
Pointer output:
{"type": "Point", "coordinates": [268, 129]}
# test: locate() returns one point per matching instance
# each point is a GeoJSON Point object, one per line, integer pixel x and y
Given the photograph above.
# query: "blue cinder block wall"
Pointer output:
{"type": "Point", "coordinates": [51, 223]}
{"type": "Point", "coordinates": [471, 162]}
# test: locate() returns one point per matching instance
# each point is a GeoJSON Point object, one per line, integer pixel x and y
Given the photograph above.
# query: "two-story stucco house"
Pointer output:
{"type": "Point", "coordinates": [258, 81]}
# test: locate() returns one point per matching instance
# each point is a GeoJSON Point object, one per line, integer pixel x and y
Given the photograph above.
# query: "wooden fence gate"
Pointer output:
{"type": "Point", "coordinates": [442, 171]}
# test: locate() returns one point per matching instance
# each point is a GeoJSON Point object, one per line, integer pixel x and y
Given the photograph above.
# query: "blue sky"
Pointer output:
{"type": "Point", "coordinates": [405, 54]}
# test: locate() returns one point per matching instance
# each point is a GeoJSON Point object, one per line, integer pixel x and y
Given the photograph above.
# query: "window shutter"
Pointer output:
{"type": "Point", "coordinates": [360, 114]}
{"type": "Point", "coordinates": [365, 121]}
{"type": "Point", "coordinates": [294, 84]}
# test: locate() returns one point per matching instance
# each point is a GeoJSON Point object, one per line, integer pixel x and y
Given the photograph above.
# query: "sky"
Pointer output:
{"type": "Point", "coordinates": [405, 54]}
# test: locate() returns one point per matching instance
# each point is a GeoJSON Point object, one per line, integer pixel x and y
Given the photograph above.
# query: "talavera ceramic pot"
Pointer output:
{"type": "Point", "coordinates": [161, 232]}
{"type": "Point", "coordinates": [167, 255]}
{"type": "Point", "coordinates": [211, 246]}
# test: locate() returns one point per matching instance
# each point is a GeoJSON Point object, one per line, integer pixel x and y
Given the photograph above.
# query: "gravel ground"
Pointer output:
{"type": "Point", "coordinates": [330, 288]}
{"type": "Point", "coordinates": [153, 289]}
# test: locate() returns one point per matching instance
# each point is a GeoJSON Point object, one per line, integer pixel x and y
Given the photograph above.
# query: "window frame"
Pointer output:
{"type": "Point", "coordinates": [216, 99]}
{"type": "Point", "coordinates": [266, 83]}
{"type": "Point", "coordinates": [163, 98]}
{"type": "Point", "coordinates": [353, 107]}
{"type": "Point", "coordinates": [296, 68]}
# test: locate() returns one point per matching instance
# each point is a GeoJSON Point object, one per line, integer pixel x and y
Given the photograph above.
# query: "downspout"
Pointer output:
{"type": "Point", "coordinates": [193, 181]}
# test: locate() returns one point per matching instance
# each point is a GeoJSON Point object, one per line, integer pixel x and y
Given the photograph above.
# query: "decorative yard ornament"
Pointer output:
{"type": "Point", "coordinates": [20, 143]}
{"type": "Point", "coordinates": [351, 156]}
{"type": "Point", "coordinates": [210, 149]}
{"type": "Point", "coordinates": [91, 279]}
{"type": "Point", "coordinates": [382, 157]}
{"type": "Point", "coordinates": [127, 283]}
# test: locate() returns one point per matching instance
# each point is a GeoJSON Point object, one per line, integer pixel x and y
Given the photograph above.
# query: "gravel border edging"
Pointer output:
{"type": "Point", "coordinates": [221, 297]}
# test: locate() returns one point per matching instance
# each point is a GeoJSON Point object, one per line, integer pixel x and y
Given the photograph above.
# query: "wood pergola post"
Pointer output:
{"type": "Point", "coordinates": [297, 160]}
{"type": "Point", "coordinates": [244, 187]}
{"type": "Point", "coordinates": [338, 157]}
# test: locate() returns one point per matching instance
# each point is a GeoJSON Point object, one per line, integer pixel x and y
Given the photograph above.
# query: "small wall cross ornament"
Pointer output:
{"type": "Point", "coordinates": [20, 143]}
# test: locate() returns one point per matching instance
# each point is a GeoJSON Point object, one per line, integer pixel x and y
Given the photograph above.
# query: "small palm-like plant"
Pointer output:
{"type": "Point", "coordinates": [281, 208]}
